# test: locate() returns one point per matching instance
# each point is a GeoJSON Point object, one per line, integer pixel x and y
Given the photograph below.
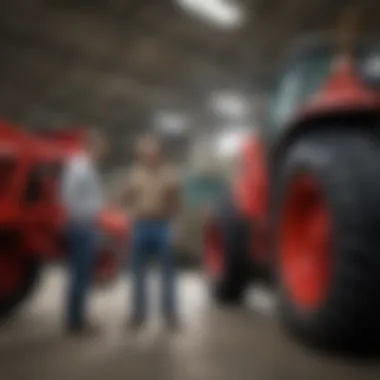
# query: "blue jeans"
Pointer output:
{"type": "Point", "coordinates": [82, 247]}
{"type": "Point", "coordinates": [152, 237]}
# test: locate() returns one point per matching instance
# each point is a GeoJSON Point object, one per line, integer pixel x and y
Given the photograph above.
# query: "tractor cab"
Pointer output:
{"type": "Point", "coordinates": [322, 82]}
{"type": "Point", "coordinates": [317, 85]}
{"type": "Point", "coordinates": [30, 213]}
{"type": "Point", "coordinates": [29, 170]}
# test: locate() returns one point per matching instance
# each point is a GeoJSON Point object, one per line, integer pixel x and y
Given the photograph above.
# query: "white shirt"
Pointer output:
{"type": "Point", "coordinates": [82, 194]}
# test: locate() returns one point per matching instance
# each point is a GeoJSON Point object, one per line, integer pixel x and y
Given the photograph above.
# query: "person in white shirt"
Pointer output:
{"type": "Point", "coordinates": [82, 197]}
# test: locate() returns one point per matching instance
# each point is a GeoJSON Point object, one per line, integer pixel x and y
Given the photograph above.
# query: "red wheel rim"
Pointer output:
{"type": "Point", "coordinates": [12, 273]}
{"type": "Point", "coordinates": [214, 250]}
{"type": "Point", "coordinates": [305, 243]}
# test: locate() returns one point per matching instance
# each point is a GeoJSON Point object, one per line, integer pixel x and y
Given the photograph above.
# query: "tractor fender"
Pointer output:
{"type": "Point", "coordinates": [349, 121]}
{"type": "Point", "coordinates": [367, 119]}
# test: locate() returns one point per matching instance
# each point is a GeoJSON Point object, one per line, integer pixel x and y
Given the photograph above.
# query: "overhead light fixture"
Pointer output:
{"type": "Point", "coordinates": [171, 122]}
{"type": "Point", "coordinates": [229, 142]}
{"type": "Point", "coordinates": [223, 13]}
{"type": "Point", "coordinates": [230, 105]}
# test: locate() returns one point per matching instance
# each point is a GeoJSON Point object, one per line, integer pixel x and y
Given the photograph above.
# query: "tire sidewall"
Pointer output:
{"type": "Point", "coordinates": [311, 156]}
{"type": "Point", "coordinates": [32, 274]}
{"type": "Point", "coordinates": [231, 283]}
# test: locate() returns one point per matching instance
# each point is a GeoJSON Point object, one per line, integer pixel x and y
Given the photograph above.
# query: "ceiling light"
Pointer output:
{"type": "Point", "coordinates": [230, 105]}
{"type": "Point", "coordinates": [229, 143]}
{"type": "Point", "coordinates": [223, 13]}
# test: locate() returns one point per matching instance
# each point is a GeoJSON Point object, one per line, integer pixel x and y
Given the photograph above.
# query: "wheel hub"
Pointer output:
{"type": "Point", "coordinates": [305, 243]}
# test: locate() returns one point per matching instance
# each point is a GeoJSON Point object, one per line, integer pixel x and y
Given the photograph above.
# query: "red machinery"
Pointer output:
{"type": "Point", "coordinates": [306, 206]}
{"type": "Point", "coordinates": [32, 220]}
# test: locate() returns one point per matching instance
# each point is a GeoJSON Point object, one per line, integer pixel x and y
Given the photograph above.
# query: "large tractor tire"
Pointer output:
{"type": "Point", "coordinates": [18, 278]}
{"type": "Point", "coordinates": [327, 232]}
{"type": "Point", "coordinates": [226, 254]}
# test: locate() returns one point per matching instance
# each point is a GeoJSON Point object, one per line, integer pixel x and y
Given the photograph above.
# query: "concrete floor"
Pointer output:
{"type": "Point", "coordinates": [213, 344]}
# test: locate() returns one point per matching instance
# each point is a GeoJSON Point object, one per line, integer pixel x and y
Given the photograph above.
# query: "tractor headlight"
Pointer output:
{"type": "Point", "coordinates": [368, 65]}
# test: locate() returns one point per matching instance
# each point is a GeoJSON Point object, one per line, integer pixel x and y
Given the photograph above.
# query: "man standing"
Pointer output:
{"type": "Point", "coordinates": [152, 195]}
{"type": "Point", "coordinates": [83, 200]}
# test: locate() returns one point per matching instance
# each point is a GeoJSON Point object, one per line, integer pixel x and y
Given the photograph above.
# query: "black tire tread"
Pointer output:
{"type": "Point", "coordinates": [348, 168]}
{"type": "Point", "coordinates": [230, 288]}
{"type": "Point", "coordinates": [10, 304]}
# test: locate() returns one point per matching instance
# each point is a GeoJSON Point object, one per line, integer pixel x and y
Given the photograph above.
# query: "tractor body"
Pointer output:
{"type": "Point", "coordinates": [305, 205]}
{"type": "Point", "coordinates": [32, 219]}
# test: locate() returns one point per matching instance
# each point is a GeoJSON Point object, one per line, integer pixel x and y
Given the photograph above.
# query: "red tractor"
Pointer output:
{"type": "Point", "coordinates": [305, 207]}
{"type": "Point", "coordinates": [32, 220]}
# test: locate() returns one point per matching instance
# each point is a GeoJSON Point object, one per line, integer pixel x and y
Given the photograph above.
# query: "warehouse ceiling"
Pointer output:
{"type": "Point", "coordinates": [128, 65]}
